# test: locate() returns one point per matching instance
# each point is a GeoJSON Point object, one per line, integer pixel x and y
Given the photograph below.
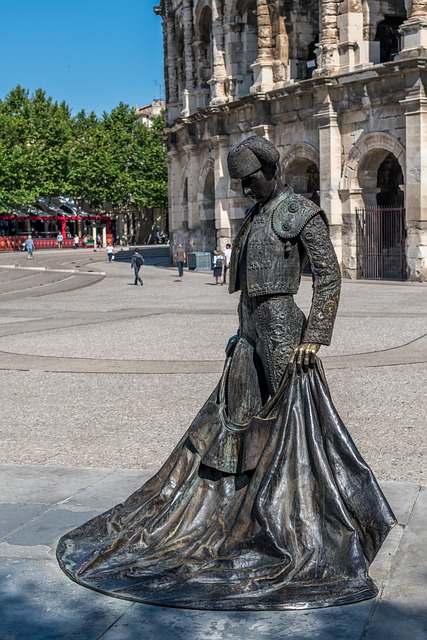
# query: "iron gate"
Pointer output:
{"type": "Point", "coordinates": [380, 243]}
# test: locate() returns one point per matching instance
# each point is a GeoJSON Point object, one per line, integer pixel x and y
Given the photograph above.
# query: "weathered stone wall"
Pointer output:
{"type": "Point", "coordinates": [241, 67]}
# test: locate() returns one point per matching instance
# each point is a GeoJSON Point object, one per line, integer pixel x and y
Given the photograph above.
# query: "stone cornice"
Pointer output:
{"type": "Point", "coordinates": [304, 86]}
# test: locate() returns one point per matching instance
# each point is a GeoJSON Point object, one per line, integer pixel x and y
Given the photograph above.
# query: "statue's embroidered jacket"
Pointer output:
{"type": "Point", "coordinates": [277, 240]}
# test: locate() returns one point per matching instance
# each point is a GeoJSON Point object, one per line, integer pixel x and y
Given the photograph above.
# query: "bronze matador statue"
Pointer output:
{"type": "Point", "coordinates": [265, 503]}
{"type": "Point", "coordinates": [281, 233]}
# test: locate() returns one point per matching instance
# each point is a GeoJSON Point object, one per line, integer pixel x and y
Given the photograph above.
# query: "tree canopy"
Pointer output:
{"type": "Point", "coordinates": [46, 151]}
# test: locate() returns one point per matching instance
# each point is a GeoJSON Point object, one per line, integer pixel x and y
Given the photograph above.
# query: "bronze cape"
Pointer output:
{"type": "Point", "coordinates": [292, 526]}
{"type": "Point", "coordinates": [265, 503]}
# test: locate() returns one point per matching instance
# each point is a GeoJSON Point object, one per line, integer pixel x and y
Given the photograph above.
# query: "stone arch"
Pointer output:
{"type": "Point", "coordinates": [374, 13]}
{"type": "Point", "coordinates": [365, 157]}
{"type": "Point", "coordinates": [300, 169]}
{"type": "Point", "coordinates": [206, 169]}
{"type": "Point", "coordinates": [373, 206]}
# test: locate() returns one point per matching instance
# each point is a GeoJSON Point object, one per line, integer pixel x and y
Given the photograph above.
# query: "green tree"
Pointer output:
{"type": "Point", "coordinates": [118, 160]}
{"type": "Point", "coordinates": [148, 165]}
{"type": "Point", "coordinates": [35, 136]}
{"type": "Point", "coordinates": [45, 151]}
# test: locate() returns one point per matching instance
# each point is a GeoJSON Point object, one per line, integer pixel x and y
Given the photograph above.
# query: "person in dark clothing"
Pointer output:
{"type": "Point", "coordinates": [136, 264]}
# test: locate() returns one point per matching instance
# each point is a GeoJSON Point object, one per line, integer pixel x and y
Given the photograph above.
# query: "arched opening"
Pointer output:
{"type": "Point", "coordinates": [207, 238]}
{"type": "Point", "coordinates": [203, 51]}
{"type": "Point", "coordinates": [381, 222]}
{"type": "Point", "coordinates": [247, 15]}
{"type": "Point", "coordinates": [302, 22]}
{"type": "Point", "coordinates": [302, 175]}
{"type": "Point", "coordinates": [184, 203]}
{"type": "Point", "coordinates": [389, 181]}
{"type": "Point", "coordinates": [388, 36]}
{"type": "Point", "coordinates": [180, 64]}
{"type": "Point", "coordinates": [311, 63]}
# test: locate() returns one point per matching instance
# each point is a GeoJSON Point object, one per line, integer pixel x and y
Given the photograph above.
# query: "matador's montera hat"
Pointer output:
{"type": "Point", "coordinates": [250, 155]}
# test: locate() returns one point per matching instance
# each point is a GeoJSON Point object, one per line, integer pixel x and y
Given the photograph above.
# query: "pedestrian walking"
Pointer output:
{"type": "Point", "coordinates": [227, 258]}
{"type": "Point", "coordinates": [136, 264]}
{"type": "Point", "coordinates": [110, 253]}
{"type": "Point", "coordinates": [180, 258]}
{"type": "Point", "coordinates": [59, 240]}
{"type": "Point", "coordinates": [76, 241]}
{"type": "Point", "coordinates": [29, 246]}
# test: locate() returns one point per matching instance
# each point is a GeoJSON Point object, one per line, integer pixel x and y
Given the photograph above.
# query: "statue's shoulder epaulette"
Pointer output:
{"type": "Point", "coordinates": [292, 213]}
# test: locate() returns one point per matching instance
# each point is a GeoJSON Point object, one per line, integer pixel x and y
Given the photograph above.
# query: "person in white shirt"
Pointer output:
{"type": "Point", "coordinates": [110, 252]}
{"type": "Point", "coordinates": [227, 257]}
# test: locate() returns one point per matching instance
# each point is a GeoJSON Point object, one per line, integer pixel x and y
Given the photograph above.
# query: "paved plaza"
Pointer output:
{"type": "Point", "coordinates": [99, 380]}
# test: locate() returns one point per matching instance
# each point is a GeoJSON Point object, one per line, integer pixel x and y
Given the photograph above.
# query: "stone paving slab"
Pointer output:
{"type": "Point", "coordinates": [40, 603]}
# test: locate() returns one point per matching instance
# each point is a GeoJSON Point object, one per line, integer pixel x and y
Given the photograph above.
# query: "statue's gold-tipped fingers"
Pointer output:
{"type": "Point", "coordinates": [305, 355]}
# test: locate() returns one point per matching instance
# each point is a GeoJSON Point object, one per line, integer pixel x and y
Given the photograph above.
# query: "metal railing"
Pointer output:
{"type": "Point", "coordinates": [380, 243]}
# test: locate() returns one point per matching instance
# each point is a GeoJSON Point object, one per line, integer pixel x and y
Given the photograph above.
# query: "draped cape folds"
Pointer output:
{"type": "Point", "coordinates": [281, 513]}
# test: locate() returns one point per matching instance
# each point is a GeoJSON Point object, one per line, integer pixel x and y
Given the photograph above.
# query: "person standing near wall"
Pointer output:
{"type": "Point", "coordinates": [180, 258]}
{"type": "Point", "coordinates": [218, 263]}
{"type": "Point", "coordinates": [227, 257]}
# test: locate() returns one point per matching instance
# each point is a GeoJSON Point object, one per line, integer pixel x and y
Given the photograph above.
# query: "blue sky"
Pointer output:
{"type": "Point", "coordinates": [91, 53]}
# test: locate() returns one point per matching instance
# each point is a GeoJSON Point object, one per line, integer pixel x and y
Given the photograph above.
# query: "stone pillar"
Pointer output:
{"type": "Point", "coordinates": [175, 189]}
{"type": "Point", "coordinates": [219, 75]}
{"type": "Point", "coordinates": [263, 65]}
{"type": "Point", "coordinates": [187, 15]}
{"type": "Point", "coordinates": [330, 170]}
{"type": "Point", "coordinates": [193, 179]}
{"type": "Point", "coordinates": [281, 71]}
{"type": "Point", "coordinates": [327, 49]}
{"type": "Point", "coordinates": [351, 199]}
{"type": "Point", "coordinates": [414, 32]}
{"type": "Point", "coordinates": [171, 79]}
{"type": "Point", "coordinates": [353, 49]}
{"type": "Point", "coordinates": [221, 146]}
{"type": "Point", "coordinates": [415, 105]}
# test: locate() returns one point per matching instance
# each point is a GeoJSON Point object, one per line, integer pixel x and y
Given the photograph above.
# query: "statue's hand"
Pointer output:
{"type": "Point", "coordinates": [305, 355]}
{"type": "Point", "coordinates": [231, 345]}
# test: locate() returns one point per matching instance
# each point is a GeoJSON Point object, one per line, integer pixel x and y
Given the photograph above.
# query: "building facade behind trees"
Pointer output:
{"type": "Point", "coordinates": [338, 87]}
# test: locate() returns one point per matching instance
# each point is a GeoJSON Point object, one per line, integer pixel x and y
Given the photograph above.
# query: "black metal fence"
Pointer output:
{"type": "Point", "coordinates": [380, 238]}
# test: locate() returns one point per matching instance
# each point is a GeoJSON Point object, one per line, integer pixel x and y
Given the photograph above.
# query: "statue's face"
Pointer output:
{"type": "Point", "coordinates": [259, 185]}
